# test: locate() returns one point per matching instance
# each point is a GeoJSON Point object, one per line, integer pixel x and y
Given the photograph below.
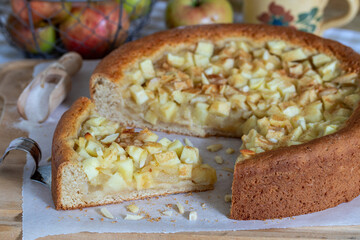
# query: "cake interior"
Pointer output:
{"type": "Point", "coordinates": [119, 160]}
{"type": "Point", "coordinates": [272, 93]}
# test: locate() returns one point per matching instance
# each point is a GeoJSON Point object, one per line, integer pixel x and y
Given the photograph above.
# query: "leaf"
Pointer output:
{"type": "Point", "coordinates": [302, 17]}
{"type": "Point", "coordinates": [312, 27]}
{"type": "Point", "coordinates": [313, 12]}
{"type": "Point", "coordinates": [303, 29]}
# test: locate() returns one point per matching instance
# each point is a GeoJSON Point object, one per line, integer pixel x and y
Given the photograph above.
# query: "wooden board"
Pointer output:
{"type": "Point", "coordinates": [13, 78]}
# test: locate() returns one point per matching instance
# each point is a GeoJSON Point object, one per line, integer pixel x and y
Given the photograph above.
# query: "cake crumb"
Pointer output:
{"type": "Point", "coordinates": [193, 216]}
{"type": "Point", "coordinates": [228, 197]}
{"type": "Point", "coordinates": [214, 147]}
{"type": "Point", "coordinates": [180, 208]}
{"type": "Point", "coordinates": [203, 205]}
{"type": "Point", "coordinates": [169, 205]}
{"type": "Point", "coordinates": [114, 222]}
{"type": "Point", "coordinates": [133, 217]}
{"type": "Point", "coordinates": [230, 150]}
{"type": "Point", "coordinates": [105, 212]}
{"type": "Point", "coordinates": [219, 160]}
{"type": "Point", "coordinates": [91, 218]}
{"type": "Point", "coordinates": [228, 169]}
{"type": "Point", "coordinates": [167, 213]}
{"type": "Point", "coordinates": [186, 201]}
{"type": "Point", "coordinates": [188, 142]}
{"type": "Point", "coordinates": [132, 208]}
{"type": "Point", "coordinates": [102, 219]}
{"type": "Point", "coordinates": [47, 207]}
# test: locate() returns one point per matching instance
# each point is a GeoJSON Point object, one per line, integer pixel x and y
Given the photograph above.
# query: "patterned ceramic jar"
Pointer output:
{"type": "Point", "coordinates": [304, 15]}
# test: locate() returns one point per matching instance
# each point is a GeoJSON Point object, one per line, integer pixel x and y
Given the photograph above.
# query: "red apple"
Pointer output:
{"type": "Point", "coordinates": [40, 10]}
{"type": "Point", "coordinates": [192, 12]}
{"type": "Point", "coordinates": [91, 30]}
{"type": "Point", "coordinates": [22, 36]}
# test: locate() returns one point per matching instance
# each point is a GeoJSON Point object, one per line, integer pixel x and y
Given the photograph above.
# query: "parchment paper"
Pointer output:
{"type": "Point", "coordinates": [41, 219]}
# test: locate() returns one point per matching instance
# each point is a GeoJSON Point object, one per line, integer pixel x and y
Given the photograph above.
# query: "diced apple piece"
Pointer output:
{"type": "Point", "coordinates": [238, 101]}
{"type": "Point", "coordinates": [92, 146]}
{"type": "Point", "coordinates": [320, 59]}
{"type": "Point", "coordinates": [176, 146]}
{"type": "Point", "coordinates": [274, 84]}
{"type": "Point", "coordinates": [201, 61]}
{"type": "Point", "coordinates": [189, 59]}
{"type": "Point", "coordinates": [185, 171]}
{"type": "Point", "coordinates": [146, 135]}
{"type": "Point", "coordinates": [126, 168]}
{"type": "Point", "coordinates": [255, 83]}
{"type": "Point", "coordinates": [143, 180]}
{"type": "Point", "coordinates": [274, 136]}
{"type": "Point", "coordinates": [204, 174]}
{"type": "Point", "coordinates": [249, 124]}
{"type": "Point", "coordinates": [238, 81]}
{"type": "Point", "coordinates": [168, 111]}
{"type": "Point", "coordinates": [110, 138]}
{"type": "Point", "coordinates": [294, 55]}
{"type": "Point", "coordinates": [147, 69]}
{"type": "Point", "coordinates": [163, 96]}
{"type": "Point", "coordinates": [190, 155]}
{"type": "Point", "coordinates": [115, 183]}
{"type": "Point", "coordinates": [167, 158]}
{"type": "Point", "coordinates": [271, 96]}
{"type": "Point", "coordinates": [90, 166]}
{"type": "Point", "coordinates": [343, 112]}
{"type": "Point", "coordinates": [153, 84]}
{"type": "Point", "coordinates": [287, 88]}
{"type": "Point", "coordinates": [204, 79]}
{"type": "Point", "coordinates": [165, 142]}
{"type": "Point", "coordinates": [352, 100]}
{"type": "Point", "coordinates": [276, 46]}
{"type": "Point", "coordinates": [205, 49]}
{"type": "Point", "coordinates": [178, 96]}
{"type": "Point", "coordinates": [259, 72]}
{"type": "Point", "coordinates": [329, 71]}
{"type": "Point", "coordinates": [201, 112]}
{"type": "Point", "coordinates": [253, 97]}
{"type": "Point", "coordinates": [299, 121]}
{"type": "Point", "coordinates": [292, 111]}
{"type": "Point", "coordinates": [313, 112]}
{"type": "Point", "coordinates": [117, 148]}
{"type": "Point", "coordinates": [280, 121]}
{"type": "Point", "coordinates": [220, 108]}
{"type": "Point", "coordinates": [137, 154]}
{"type": "Point", "coordinates": [228, 63]}
{"type": "Point", "coordinates": [96, 121]}
{"type": "Point", "coordinates": [330, 129]}
{"type": "Point", "coordinates": [243, 46]}
{"type": "Point", "coordinates": [137, 77]}
{"type": "Point", "coordinates": [151, 117]}
{"type": "Point", "coordinates": [138, 94]}
{"type": "Point", "coordinates": [153, 147]}
{"type": "Point", "coordinates": [296, 133]}
{"type": "Point", "coordinates": [175, 61]}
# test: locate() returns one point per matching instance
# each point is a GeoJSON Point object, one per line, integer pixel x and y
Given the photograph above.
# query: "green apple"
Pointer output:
{"type": "Point", "coordinates": [136, 8]}
{"type": "Point", "coordinates": [22, 36]}
{"type": "Point", "coordinates": [192, 12]}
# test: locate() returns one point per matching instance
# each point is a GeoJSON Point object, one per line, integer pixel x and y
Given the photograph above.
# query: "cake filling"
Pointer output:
{"type": "Point", "coordinates": [272, 94]}
{"type": "Point", "coordinates": [117, 159]}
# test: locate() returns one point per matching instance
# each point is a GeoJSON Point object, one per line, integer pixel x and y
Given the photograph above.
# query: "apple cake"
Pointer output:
{"type": "Point", "coordinates": [290, 96]}
{"type": "Point", "coordinates": [96, 161]}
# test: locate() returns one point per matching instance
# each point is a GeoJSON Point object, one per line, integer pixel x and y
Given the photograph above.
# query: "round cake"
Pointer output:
{"type": "Point", "coordinates": [291, 96]}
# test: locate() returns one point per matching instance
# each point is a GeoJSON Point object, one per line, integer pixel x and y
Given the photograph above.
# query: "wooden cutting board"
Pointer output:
{"type": "Point", "coordinates": [13, 78]}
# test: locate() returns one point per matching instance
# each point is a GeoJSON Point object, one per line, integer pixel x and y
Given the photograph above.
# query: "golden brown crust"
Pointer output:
{"type": "Point", "coordinates": [299, 179]}
{"type": "Point", "coordinates": [114, 65]}
{"type": "Point", "coordinates": [62, 151]}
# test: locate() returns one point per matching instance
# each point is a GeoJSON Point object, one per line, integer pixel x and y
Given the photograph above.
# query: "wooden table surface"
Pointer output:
{"type": "Point", "coordinates": [11, 171]}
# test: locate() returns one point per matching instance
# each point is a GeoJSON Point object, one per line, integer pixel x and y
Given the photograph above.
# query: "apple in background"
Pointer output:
{"type": "Point", "coordinates": [21, 34]}
{"type": "Point", "coordinates": [91, 29]}
{"type": "Point", "coordinates": [41, 10]}
{"type": "Point", "coordinates": [192, 12]}
{"type": "Point", "coordinates": [136, 8]}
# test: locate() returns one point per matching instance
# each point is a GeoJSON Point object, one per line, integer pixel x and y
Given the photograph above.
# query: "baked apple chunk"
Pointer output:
{"type": "Point", "coordinates": [123, 164]}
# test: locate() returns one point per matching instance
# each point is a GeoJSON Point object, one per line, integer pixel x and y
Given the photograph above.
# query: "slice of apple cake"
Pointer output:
{"type": "Point", "coordinates": [96, 162]}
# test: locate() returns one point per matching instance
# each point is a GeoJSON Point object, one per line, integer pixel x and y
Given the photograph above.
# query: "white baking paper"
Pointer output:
{"type": "Point", "coordinates": [41, 219]}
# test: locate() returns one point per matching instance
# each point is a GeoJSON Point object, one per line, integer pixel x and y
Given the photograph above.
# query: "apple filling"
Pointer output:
{"type": "Point", "coordinates": [273, 94]}
{"type": "Point", "coordinates": [117, 159]}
